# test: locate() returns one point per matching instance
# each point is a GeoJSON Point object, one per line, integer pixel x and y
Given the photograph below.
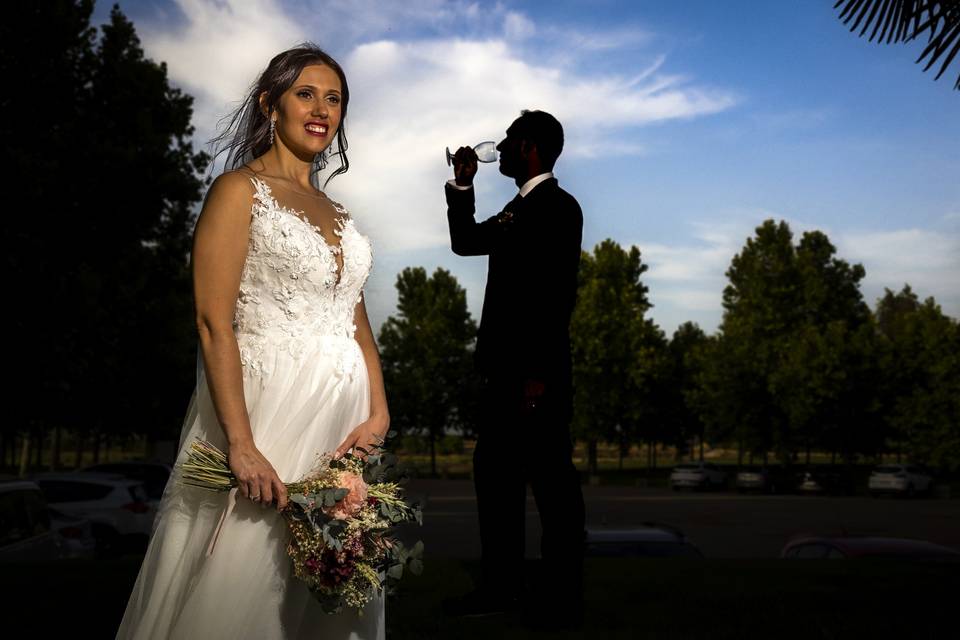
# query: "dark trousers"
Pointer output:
{"type": "Point", "coordinates": [517, 445]}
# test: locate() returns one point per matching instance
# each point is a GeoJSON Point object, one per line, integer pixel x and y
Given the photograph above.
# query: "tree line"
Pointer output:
{"type": "Point", "coordinates": [799, 363]}
{"type": "Point", "coordinates": [104, 184]}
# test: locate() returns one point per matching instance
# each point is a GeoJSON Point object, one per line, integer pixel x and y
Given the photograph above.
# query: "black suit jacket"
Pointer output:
{"type": "Point", "coordinates": [534, 255]}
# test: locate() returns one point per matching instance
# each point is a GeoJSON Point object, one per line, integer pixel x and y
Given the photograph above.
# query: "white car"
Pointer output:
{"type": "Point", "coordinates": [26, 533]}
{"type": "Point", "coordinates": [903, 479]}
{"type": "Point", "coordinates": [117, 507]}
{"type": "Point", "coordinates": [697, 475]}
{"type": "Point", "coordinates": [154, 474]}
{"type": "Point", "coordinates": [75, 534]}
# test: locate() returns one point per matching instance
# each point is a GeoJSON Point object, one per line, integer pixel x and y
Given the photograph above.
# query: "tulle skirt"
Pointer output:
{"type": "Point", "coordinates": [216, 564]}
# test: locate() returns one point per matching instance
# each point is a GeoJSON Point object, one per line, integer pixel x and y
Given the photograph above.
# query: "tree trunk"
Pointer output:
{"type": "Point", "coordinates": [78, 459]}
{"type": "Point", "coordinates": [739, 453]}
{"type": "Point", "coordinates": [41, 436]}
{"type": "Point", "coordinates": [55, 456]}
{"type": "Point", "coordinates": [653, 445]}
{"type": "Point", "coordinates": [24, 455]}
{"type": "Point", "coordinates": [96, 446]}
{"type": "Point", "coordinates": [592, 456]}
{"type": "Point", "coordinates": [433, 455]}
{"type": "Point", "coordinates": [701, 447]}
{"type": "Point", "coordinates": [623, 446]}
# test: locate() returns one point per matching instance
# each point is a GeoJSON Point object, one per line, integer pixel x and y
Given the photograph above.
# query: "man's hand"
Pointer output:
{"type": "Point", "coordinates": [465, 166]}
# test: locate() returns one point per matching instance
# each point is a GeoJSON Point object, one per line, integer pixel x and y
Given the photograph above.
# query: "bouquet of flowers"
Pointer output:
{"type": "Point", "coordinates": [341, 515]}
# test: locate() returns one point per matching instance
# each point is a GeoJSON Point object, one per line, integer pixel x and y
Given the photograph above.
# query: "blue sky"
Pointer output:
{"type": "Point", "coordinates": [687, 123]}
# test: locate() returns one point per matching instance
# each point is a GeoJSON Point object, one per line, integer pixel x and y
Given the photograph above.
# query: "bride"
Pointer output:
{"type": "Point", "coordinates": [289, 369]}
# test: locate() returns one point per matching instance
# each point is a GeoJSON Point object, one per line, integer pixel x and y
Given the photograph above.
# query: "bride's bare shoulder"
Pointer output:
{"type": "Point", "coordinates": [229, 189]}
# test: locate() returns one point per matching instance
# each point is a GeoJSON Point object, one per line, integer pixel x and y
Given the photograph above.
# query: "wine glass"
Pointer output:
{"type": "Point", "coordinates": [486, 152]}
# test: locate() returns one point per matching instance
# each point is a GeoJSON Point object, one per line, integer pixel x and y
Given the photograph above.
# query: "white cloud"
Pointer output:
{"type": "Point", "coordinates": [517, 26]}
{"type": "Point", "coordinates": [424, 75]}
{"type": "Point", "coordinates": [413, 99]}
{"type": "Point", "coordinates": [216, 54]}
{"type": "Point", "coordinates": [686, 280]}
{"type": "Point", "coordinates": [929, 261]}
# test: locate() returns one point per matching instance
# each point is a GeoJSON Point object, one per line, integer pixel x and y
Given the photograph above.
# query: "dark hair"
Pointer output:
{"type": "Point", "coordinates": [544, 131]}
{"type": "Point", "coordinates": [247, 135]}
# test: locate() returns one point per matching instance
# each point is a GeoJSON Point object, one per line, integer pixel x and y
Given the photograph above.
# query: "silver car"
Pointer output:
{"type": "Point", "coordinates": [697, 475]}
{"type": "Point", "coordinates": [652, 540]}
{"type": "Point", "coordinates": [903, 479]}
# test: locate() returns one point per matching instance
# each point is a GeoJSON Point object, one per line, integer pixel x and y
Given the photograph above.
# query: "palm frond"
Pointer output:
{"type": "Point", "coordinates": [904, 20]}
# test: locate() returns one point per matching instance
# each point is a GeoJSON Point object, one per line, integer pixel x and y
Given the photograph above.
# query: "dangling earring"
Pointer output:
{"type": "Point", "coordinates": [273, 125]}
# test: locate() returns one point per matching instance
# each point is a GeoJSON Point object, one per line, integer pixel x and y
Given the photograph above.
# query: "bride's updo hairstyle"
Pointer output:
{"type": "Point", "coordinates": [247, 135]}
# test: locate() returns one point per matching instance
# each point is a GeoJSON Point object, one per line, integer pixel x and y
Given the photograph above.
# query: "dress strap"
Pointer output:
{"type": "Point", "coordinates": [264, 195]}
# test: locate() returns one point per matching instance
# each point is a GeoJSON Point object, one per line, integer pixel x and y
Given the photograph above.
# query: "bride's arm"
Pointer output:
{"type": "Point", "coordinates": [219, 251]}
{"type": "Point", "coordinates": [374, 429]}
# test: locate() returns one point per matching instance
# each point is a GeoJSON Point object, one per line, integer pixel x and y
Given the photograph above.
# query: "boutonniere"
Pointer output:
{"type": "Point", "coordinates": [505, 218]}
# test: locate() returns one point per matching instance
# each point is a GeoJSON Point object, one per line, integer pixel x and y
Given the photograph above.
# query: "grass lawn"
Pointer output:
{"type": "Point", "coordinates": [683, 598]}
{"type": "Point", "coordinates": [626, 598]}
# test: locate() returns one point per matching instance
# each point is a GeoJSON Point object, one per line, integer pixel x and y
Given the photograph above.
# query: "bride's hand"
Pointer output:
{"type": "Point", "coordinates": [256, 477]}
{"type": "Point", "coordinates": [368, 435]}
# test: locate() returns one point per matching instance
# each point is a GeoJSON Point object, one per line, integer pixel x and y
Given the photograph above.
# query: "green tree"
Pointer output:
{"type": "Point", "coordinates": [762, 304]}
{"type": "Point", "coordinates": [775, 378]}
{"type": "Point", "coordinates": [106, 182]}
{"type": "Point", "coordinates": [427, 355]}
{"type": "Point", "coordinates": [686, 345]}
{"type": "Point", "coordinates": [905, 20]}
{"type": "Point", "coordinates": [825, 380]}
{"type": "Point", "coordinates": [615, 349]}
{"type": "Point", "coordinates": [921, 372]}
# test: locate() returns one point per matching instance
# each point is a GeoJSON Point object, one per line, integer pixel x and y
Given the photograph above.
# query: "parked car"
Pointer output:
{"type": "Point", "coordinates": [697, 475]}
{"type": "Point", "coordinates": [866, 547]}
{"type": "Point", "coordinates": [652, 540]}
{"type": "Point", "coordinates": [822, 480]}
{"type": "Point", "coordinates": [120, 516]}
{"type": "Point", "coordinates": [25, 530]}
{"type": "Point", "coordinates": [153, 474]}
{"type": "Point", "coordinates": [765, 479]}
{"type": "Point", "coordinates": [75, 534]}
{"type": "Point", "coordinates": [902, 479]}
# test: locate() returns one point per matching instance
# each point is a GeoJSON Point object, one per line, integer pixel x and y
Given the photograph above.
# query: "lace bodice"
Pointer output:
{"type": "Point", "coordinates": [292, 293]}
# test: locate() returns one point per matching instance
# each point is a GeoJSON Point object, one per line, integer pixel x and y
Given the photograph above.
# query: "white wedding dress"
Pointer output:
{"type": "Point", "coordinates": [216, 565]}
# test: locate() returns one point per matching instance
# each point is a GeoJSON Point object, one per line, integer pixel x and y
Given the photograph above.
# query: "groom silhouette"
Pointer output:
{"type": "Point", "coordinates": [523, 358]}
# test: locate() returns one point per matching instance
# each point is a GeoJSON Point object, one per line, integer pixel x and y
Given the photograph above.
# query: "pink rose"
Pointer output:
{"type": "Point", "coordinates": [354, 500]}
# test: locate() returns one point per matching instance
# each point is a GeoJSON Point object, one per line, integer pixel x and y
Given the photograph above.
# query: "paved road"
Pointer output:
{"type": "Point", "coordinates": [722, 524]}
